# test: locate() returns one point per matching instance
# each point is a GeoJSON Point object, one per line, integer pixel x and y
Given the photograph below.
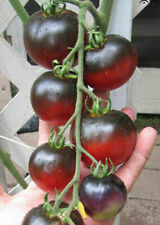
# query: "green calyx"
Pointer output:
{"type": "Point", "coordinates": [60, 215]}
{"type": "Point", "coordinates": [96, 39]}
{"type": "Point", "coordinates": [101, 170]}
{"type": "Point", "coordinates": [97, 108]}
{"type": "Point", "coordinates": [65, 70]}
{"type": "Point", "coordinates": [51, 7]}
{"type": "Point", "coordinates": [56, 142]}
{"type": "Point", "coordinates": [47, 206]}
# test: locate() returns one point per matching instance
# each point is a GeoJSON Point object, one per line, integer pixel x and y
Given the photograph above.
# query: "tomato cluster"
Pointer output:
{"type": "Point", "coordinates": [103, 135]}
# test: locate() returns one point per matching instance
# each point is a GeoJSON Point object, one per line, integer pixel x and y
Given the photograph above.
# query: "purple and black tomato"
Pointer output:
{"type": "Point", "coordinates": [110, 136]}
{"type": "Point", "coordinates": [112, 65]}
{"type": "Point", "coordinates": [103, 197]}
{"type": "Point", "coordinates": [53, 98]}
{"type": "Point", "coordinates": [38, 216]}
{"type": "Point", "coordinates": [48, 38]}
{"type": "Point", "coordinates": [52, 168]}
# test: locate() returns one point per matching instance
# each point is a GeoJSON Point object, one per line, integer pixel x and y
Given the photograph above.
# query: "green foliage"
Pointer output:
{"type": "Point", "coordinates": [145, 120]}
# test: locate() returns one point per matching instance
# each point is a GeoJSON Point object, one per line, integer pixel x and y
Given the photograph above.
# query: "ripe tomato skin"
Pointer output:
{"type": "Point", "coordinates": [104, 197]}
{"type": "Point", "coordinates": [48, 38]}
{"type": "Point", "coordinates": [112, 65]}
{"type": "Point", "coordinates": [51, 168]}
{"type": "Point", "coordinates": [110, 136]}
{"type": "Point", "coordinates": [37, 216]}
{"type": "Point", "coordinates": [53, 99]}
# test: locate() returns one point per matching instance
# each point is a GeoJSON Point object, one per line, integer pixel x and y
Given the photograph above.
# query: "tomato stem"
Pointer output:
{"type": "Point", "coordinates": [5, 158]}
{"type": "Point", "coordinates": [72, 52]}
{"type": "Point", "coordinates": [77, 114]}
{"type": "Point", "coordinates": [88, 92]}
{"type": "Point", "coordinates": [61, 132]}
{"type": "Point", "coordinates": [58, 200]}
{"type": "Point", "coordinates": [20, 10]}
{"type": "Point", "coordinates": [90, 7]}
{"type": "Point", "coordinates": [89, 155]}
{"type": "Point", "coordinates": [104, 14]}
{"type": "Point", "coordinates": [75, 181]}
{"type": "Point", "coordinates": [78, 110]}
{"type": "Point", "coordinates": [102, 17]}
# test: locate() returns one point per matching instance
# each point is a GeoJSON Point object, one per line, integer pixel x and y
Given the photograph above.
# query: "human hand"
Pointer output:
{"type": "Point", "coordinates": [13, 208]}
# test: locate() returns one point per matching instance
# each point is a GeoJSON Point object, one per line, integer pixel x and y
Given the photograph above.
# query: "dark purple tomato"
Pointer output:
{"type": "Point", "coordinates": [47, 38]}
{"type": "Point", "coordinates": [38, 216]}
{"type": "Point", "coordinates": [109, 136]}
{"type": "Point", "coordinates": [112, 65]}
{"type": "Point", "coordinates": [104, 197]}
{"type": "Point", "coordinates": [53, 99]}
{"type": "Point", "coordinates": [52, 168]}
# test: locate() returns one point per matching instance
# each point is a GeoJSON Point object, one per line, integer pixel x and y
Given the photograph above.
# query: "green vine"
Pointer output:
{"type": "Point", "coordinates": [78, 108]}
{"type": "Point", "coordinates": [20, 10]}
{"type": "Point", "coordinates": [5, 158]}
{"type": "Point", "coordinates": [104, 14]}
{"type": "Point", "coordinates": [75, 181]}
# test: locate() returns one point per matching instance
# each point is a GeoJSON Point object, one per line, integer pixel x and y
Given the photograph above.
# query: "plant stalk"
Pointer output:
{"type": "Point", "coordinates": [89, 6]}
{"type": "Point", "coordinates": [61, 132]}
{"type": "Point", "coordinates": [104, 13]}
{"type": "Point", "coordinates": [88, 92]}
{"type": "Point", "coordinates": [20, 10]}
{"type": "Point", "coordinates": [89, 155]}
{"type": "Point", "coordinates": [102, 17]}
{"type": "Point", "coordinates": [75, 181]}
{"type": "Point", "coordinates": [5, 158]}
{"type": "Point", "coordinates": [78, 109]}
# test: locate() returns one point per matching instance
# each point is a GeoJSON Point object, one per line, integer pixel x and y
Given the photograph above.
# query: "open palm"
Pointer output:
{"type": "Point", "coordinates": [13, 208]}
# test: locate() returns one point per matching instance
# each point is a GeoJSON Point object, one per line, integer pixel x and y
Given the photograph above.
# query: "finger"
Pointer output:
{"type": "Point", "coordinates": [129, 112]}
{"type": "Point", "coordinates": [132, 168]}
{"type": "Point", "coordinates": [85, 171]}
{"type": "Point", "coordinates": [44, 132]}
